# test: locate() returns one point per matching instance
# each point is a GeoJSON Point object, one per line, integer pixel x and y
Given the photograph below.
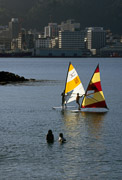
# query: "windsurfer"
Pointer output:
{"type": "Point", "coordinates": [63, 99]}
{"type": "Point", "coordinates": [77, 100]}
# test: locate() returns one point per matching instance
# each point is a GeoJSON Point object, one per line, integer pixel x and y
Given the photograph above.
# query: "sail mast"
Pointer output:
{"type": "Point", "coordinates": [89, 84]}
{"type": "Point", "coordinates": [67, 76]}
{"type": "Point", "coordinates": [91, 79]}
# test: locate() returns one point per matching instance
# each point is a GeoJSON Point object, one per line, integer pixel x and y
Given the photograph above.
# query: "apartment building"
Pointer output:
{"type": "Point", "coordinates": [25, 40]}
{"type": "Point", "coordinates": [14, 28]}
{"type": "Point", "coordinates": [71, 39]}
{"type": "Point", "coordinates": [96, 38]}
{"type": "Point", "coordinates": [43, 43]}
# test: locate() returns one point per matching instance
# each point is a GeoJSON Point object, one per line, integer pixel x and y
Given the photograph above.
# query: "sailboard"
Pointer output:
{"type": "Point", "coordinates": [73, 85]}
{"type": "Point", "coordinates": [60, 107]}
{"type": "Point", "coordinates": [94, 97]}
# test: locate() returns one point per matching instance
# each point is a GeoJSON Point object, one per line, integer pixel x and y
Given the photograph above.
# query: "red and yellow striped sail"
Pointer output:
{"type": "Point", "coordinates": [94, 97]}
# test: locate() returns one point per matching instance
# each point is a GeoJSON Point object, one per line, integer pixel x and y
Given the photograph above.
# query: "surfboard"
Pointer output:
{"type": "Point", "coordinates": [89, 110]}
{"type": "Point", "coordinates": [76, 111]}
{"type": "Point", "coordinates": [60, 107]}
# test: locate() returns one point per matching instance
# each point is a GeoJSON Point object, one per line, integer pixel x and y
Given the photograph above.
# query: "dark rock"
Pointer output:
{"type": "Point", "coordinates": [7, 77]}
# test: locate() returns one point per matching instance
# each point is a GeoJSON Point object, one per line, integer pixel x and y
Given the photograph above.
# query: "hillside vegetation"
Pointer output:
{"type": "Point", "coordinates": [37, 13]}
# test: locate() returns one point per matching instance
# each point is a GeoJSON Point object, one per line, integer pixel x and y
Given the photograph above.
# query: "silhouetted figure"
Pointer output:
{"type": "Point", "coordinates": [50, 137]}
{"type": "Point", "coordinates": [77, 100]}
{"type": "Point", "coordinates": [63, 99]}
{"type": "Point", "coordinates": [61, 138]}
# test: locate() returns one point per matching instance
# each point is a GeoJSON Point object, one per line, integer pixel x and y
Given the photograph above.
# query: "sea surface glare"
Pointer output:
{"type": "Point", "coordinates": [93, 150]}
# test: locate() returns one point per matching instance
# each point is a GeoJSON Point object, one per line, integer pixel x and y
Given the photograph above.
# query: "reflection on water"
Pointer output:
{"type": "Point", "coordinates": [89, 122]}
{"type": "Point", "coordinates": [83, 131]}
{"type": "Point", "coordinates": [71, 121]}
{"type": "Point", "coordinates": [94, 122]}
{"type": "Point", "coordinates": [71, 118]}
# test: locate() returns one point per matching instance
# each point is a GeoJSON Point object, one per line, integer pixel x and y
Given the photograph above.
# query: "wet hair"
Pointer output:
{"type": "Point", "coordinates": [50, 131]}
{"type": "Point", "coordinates": [61, 134]}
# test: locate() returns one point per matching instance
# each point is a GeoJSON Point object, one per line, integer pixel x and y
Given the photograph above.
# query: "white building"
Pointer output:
{"type": "Point", "coordinates": [71, 39]}
{"type": "Point", "coordinates": [43, 43]}
{"type": "Point", "coordinates": [96, 38]}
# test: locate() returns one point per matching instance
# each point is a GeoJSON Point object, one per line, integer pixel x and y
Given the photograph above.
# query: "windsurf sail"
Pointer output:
{"type": "Point", "coordinates": [94, 97]}
{"type": "Point", "coordinates": [73, 85]}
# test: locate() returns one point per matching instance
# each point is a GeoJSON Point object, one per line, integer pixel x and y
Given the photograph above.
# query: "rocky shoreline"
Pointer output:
{"type": "Point", "coordinates": [8, 77]}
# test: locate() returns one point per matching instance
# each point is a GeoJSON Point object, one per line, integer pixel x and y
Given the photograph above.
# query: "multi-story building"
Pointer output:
{"type": "Point", "coordinates": [14, 28]}
{"type": "Point", "coordinates": [51, 30]}
{"type": "Point", "coordinates": [29, 40]}
{"type": "Point", "coordinates": [5, 41]}
{"type": "Point", "coordinates": [21, 40]}
{"type": "Point", "coordinates": [71, 39]}
{"type": "Point", "coordinates": [96, 38]}
{"type": "Point", "coordinates": [43, 43]}
{"type": "Point", "coordinates": [25, 40]}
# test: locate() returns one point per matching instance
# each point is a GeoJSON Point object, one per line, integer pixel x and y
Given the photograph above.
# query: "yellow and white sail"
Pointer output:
{"type": "Point", "coordinates": [73, 84]}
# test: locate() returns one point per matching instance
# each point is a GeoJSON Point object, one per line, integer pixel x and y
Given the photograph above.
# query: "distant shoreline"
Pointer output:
{"type": "Point", "coordinates": [61, 57]}
{"type": "Point", "coordinates": [55, 54]}
{"type": "Point", "coordinates": [30, 55]}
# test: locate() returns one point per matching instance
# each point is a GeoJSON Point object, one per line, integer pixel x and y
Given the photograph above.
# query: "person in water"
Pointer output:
{"type": "Point", "coordinates": [61, 138]}
{"type": "Point", "coordinates": [77, 100]}
{"type": "Point", "coordinates": [63, 99]}
{"type": "Point", "coordinates": [50, 137]}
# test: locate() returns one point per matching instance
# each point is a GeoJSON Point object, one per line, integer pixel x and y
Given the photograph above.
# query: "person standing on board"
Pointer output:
{"type": "Point", "coordinates": [50, 137]}
{"type": "Point", "coordinates": [63, 99]}
{"type": "Point", "coordinates": [77, 100]}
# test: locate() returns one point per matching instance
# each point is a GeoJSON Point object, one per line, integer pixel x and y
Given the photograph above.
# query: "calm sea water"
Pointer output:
{"type": "Point", "coordinates": [94, 141]}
